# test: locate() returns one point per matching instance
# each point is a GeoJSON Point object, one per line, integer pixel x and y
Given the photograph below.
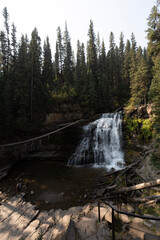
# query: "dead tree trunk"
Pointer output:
{"type": "Point", "coordinates": [136, 187]}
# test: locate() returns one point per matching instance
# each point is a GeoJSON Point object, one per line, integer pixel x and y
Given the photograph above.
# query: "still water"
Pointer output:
{"type": "Point", "coordinates": [50, 184]}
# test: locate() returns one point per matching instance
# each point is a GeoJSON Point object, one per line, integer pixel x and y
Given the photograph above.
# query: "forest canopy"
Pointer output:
{"type": "Point", "coordinates": [33, 80]}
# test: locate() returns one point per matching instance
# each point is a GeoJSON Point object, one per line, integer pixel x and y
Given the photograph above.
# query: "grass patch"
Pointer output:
{"type": "Point", "coordinates": [151, 210]}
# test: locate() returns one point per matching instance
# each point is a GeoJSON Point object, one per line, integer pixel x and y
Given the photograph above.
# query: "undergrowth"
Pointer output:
{"type": "Point", "coordinates": [142, 128]}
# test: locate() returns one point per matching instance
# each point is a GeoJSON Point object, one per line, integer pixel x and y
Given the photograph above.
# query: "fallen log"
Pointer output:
{"type": "Point", "coordinates": [136, 187]}
{"type": "Point", "coordinates": [151, 202]}
{"type": "Point", "coordinates": [143, 199]}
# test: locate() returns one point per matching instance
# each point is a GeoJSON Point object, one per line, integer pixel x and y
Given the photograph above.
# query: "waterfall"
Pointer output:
{"type": "Point", "coordinates": [101, 145]}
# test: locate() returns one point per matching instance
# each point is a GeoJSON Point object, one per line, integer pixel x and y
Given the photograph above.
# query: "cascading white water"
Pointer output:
{"type": "Point", "coordinates": [101, 144]}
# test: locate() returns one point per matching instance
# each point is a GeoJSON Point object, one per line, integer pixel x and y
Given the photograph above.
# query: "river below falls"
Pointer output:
{"type": "Point", "coordinates": [53, 185]}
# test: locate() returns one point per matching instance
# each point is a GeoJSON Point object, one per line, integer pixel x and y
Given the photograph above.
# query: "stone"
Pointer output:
{"type": "Point", "coordinates": [13, 226]}
{"type": "Point", "coordinates": [86, 227]}
{"type": "Point", "coordinates": [148, 236]}
{"type": "Point", "coordinates": [71, 231]}
{"type": "Point", "coordinates": [74, 212]}
{"type": "Point", "coordinates": [103, 232]}
{"type": "Point", "coordinates": [58, 215]}
{"type": "Point", "coordinates": [108, 215]}
{"type": "Point", "coordinates": [124, 218]}
{"type": "Point", "coordinates": [85, 209]}
{"type": "Point", "coordinates": [149, 225]}
{"type": "Point", "coordinates": [94, 237]}
{"type": "Point", "coordinates": [94, 212]}
{"type": "Point", "coordinates": [41, 230]}
{"type": "Point", "coordinates": [58, 232]}
{"type": "Point", "coordinates": [30, 229]}
{"type": "Point", "coordinates": [157, 227]}
{"type": "Point", "coordinates": [127, 207]}
{"type": "Point", "coordinates": [85, 196]}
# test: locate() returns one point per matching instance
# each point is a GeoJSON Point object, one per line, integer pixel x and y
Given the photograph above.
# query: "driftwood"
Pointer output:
{"type": "Point", "coordinates": [136, 187]}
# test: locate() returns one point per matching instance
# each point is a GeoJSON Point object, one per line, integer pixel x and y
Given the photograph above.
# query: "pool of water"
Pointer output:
{"type": "Point", "coordinates": [50, 184]}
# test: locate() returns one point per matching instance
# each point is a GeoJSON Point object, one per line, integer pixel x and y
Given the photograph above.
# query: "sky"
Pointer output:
{"type": "Point", "coordinates": [118, 16]}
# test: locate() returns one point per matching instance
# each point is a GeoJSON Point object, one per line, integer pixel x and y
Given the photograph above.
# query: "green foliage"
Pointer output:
{"type": "Point", "coordinates": [154, 50]}
{"type": "Point", "coordinates": [65, 95]}
{"type": "Point", "coordinates": [143, 128]}
{"type": "Point", "coordinates": [155, 92]}
{"type": "Point", "coordinates": [147, 128]}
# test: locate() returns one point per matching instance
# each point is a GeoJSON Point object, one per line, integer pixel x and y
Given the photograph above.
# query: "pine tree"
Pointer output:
{"type": "Point", "coordinates": [7, 31]}
{"type": "Point", "coordinates": [22, 85]}
{"type": "Point", "coordinates": [68, 64]}
{"type": "Point", "coordinates": [92, 71]}
{"type": "Point", "coordinates": [37, 109]}
{"type": "Point", "coordinates": [133, 56]}
{"type": "Point", "coordinates": [13, 68]}
{"type": "Point", "coordinates": [47, 67]}
{"type": "Point", "coordinates": [47, 74]}
{"type": "Point", "coordinates": [80, 75]}
{"type": "Point", "coordinates": [139, 84]}
{"type": "Point", "coordinates": [111, 72]}
{"type": "Point", "coordinates": [154, 31]}
{"type": "Point", "coordinates": [124, 69]}
{"type": "Point", "coordinates": [154, 50]}
{"type": "Point", "coordinates": [126, 66]}
{"type": "Point", "coordinates": [59, 51]}
{"type": "Point", "coordinates": [104, 85]}
{"type": "Point", "coordinates": [6, 111]}
{"type": "Point", "coordinates": [155, 91]}
{"type": "Point", "coordinates": [121, 53]}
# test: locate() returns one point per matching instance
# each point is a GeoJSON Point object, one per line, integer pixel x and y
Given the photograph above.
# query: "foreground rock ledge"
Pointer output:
{"type": "Point", "coordinates": [20, 220]}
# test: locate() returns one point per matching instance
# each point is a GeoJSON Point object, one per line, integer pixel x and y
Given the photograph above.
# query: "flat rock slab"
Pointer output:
{"type": "Point", "coordinates": [86, 227]}
{"type": "Point", "coordinates": [30, 229]}
{"type": "Point", "coordinates": [7, 208]}
{"type": "Point", "coordinates": [104, 213]}
{"type": "Point", "coordinates": [15, 216]}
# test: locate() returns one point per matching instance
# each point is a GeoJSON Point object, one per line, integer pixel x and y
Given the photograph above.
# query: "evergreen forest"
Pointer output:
{"type": "Point", "coordinates": [34, 81]}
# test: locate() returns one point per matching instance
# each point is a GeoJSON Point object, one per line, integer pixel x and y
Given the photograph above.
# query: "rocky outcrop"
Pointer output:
{"type": "Point", "coordinates": [143, 111]}
{"type": "Point", "coordinates": [21, 220]}
{"type": "Point", "coordinates": [65, 113]}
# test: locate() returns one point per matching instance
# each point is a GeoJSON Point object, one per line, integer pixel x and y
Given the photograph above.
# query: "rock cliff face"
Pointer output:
{"type": "Point", "coordinates": [137, 131]}
{"type": "Point", "coordinates": [139, 147]}
{"type": "Point", "coordinates": [144, 111]}
{"type": "Point", "coordinates": [66, 113]}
